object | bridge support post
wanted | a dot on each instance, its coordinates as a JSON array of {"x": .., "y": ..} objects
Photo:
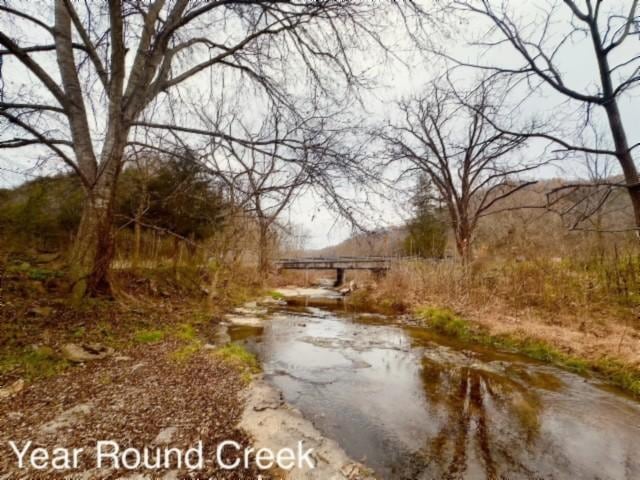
[
  {"x": 378, "y": 273},
  {"x": 339, "y": 277}
]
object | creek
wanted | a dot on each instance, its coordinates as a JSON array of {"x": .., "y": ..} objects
[{"x": 411, "y": 404}]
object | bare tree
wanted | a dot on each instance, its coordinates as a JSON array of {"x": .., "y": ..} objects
[
  {"x": 116, "y": 59},
  {"x": 263, "y": 182},
  {"x": 471, "y": 166},
  {"x": 266, "y": 167},
  {"x": 540, "y": 43}
]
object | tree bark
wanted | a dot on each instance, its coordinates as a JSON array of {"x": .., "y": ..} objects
[
  {"x": 263, "y": 252},
  {"x": 625, "y": 158},
  {"x": 615, "y": 123},
  {"x": 94, "y": 245},
  {"x": 463, "y": 233},
  {"x": 93, "y": 248}
]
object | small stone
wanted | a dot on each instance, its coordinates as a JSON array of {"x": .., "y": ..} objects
[
  {"x": 15, "y": 416},
  {"x": 12, "y": 389},
  {"x": 85, "y": 352},
  {"x": 137, "y": 366},
  {"x": 165, "y": 436},
  {"x": 361, "y": 364}
]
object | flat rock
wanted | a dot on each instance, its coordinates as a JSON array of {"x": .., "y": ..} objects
[
  {"x": 85, "y": 352},
  {"x": 250, "y": 308},
  {"x": 244, "y": 320},
  {"x": 67, "y": 419},
  {"x": 272, "y": 301},
  {"x": 11, "y": 390},
  {"x": 268, "y": 399},
  {"x": 279, "y": 425},
  {"x": 293, "y": 292}
]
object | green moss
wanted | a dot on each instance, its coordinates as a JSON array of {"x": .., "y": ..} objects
[
  {"x": 78, "y": 332},
  {"x": 539, "y": 350},
  {"x": 34, "y": 273},
  {"x": 149, "y": 336},
  {"x": 239, "y": 356},
  {"x": 42, "y": 274},
  {"x": 276, "y": 295},
  {"x": 618, "y": 374},
  {"x": 185, "y": 353},
  {"x": 186, "y": 332},
  {"x": 33, "y": 363}
]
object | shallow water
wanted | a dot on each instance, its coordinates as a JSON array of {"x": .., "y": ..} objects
[{"x": 412, "y": 405}]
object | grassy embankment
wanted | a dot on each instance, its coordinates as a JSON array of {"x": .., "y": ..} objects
[{"x": 579, "y": 315}]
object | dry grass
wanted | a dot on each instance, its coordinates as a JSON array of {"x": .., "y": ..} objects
[{"x": 586, "y": 307}]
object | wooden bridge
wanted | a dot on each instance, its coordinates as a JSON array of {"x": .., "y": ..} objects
[{"x": 339, "y": 264}]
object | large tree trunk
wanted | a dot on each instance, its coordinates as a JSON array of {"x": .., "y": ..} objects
[
  {"x": 625, "y": 158},
  {"x": 93, "y": 247},
  {"x": 615, "y": 124},
  {"x": 463, "y": 241}
]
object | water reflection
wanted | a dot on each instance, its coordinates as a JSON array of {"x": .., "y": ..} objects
[{"x": 468, "y": 398}]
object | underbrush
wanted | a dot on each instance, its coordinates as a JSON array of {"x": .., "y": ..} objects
[
  {"x": 149, "y": 306},
  {"x": 605, "y": 285}
]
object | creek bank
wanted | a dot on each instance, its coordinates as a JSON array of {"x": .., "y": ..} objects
[
  {"x": 606, "y": 369},
  {"x": 589, "y": 345},
  {"x": 274, "y": 424},
  {"x": 144, "y": 400}
]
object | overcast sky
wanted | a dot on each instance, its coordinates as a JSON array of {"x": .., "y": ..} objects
[{"x": 400, "y": 77}]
